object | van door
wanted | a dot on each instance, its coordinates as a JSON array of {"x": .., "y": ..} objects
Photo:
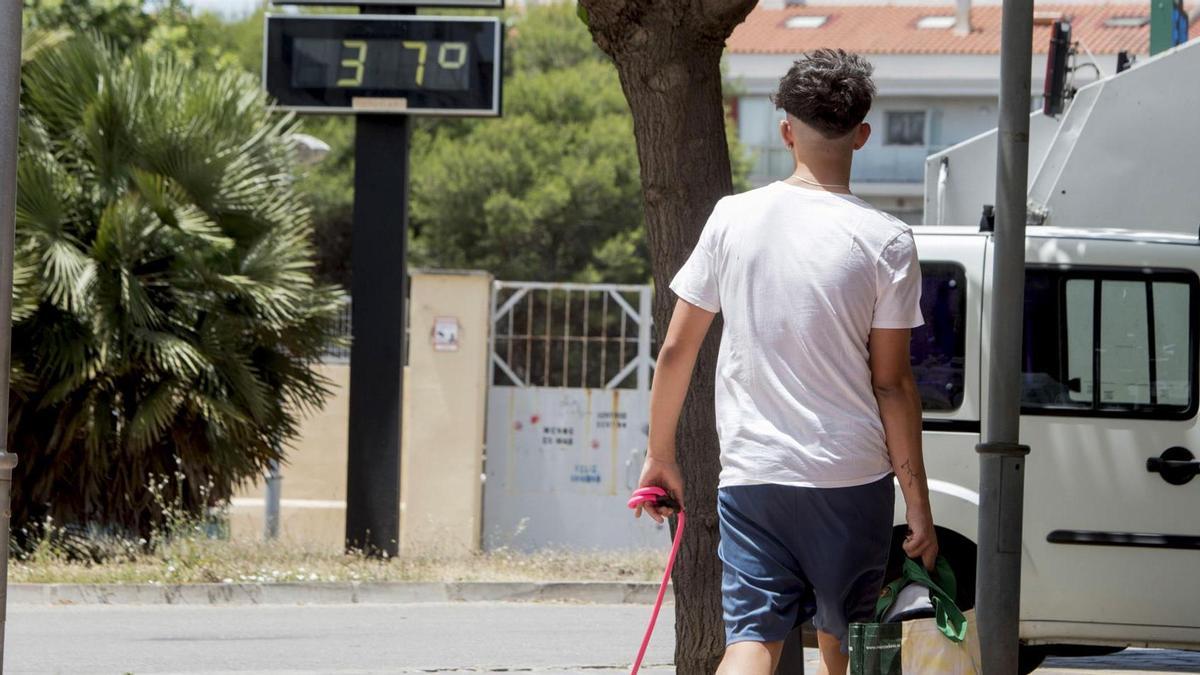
[
  {"x": 945, "y": 359},
  {"x": 1109, "y": 400}
]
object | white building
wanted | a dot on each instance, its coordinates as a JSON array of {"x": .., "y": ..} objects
[{"x": 937, "y": 71}]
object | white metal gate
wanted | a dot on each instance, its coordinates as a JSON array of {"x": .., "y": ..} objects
[{"x": 568, "y": 416}]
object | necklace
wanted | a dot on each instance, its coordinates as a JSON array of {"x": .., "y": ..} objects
[{"x": 813, "y": 182}]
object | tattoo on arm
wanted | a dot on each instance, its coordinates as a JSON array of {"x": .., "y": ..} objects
[{"x": 908, "y": 469}]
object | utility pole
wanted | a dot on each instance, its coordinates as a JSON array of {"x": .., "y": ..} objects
[
  {"x": 10, "y": 92},
  {"x": 1001, "y": 456}
]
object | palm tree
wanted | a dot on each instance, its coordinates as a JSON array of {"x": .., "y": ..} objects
[
  {"x": 165, "y": 318},
  {"x": 34, "y": 41}
]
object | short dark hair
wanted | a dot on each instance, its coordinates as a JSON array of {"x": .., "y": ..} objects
[{"x": 830, "y": 90}]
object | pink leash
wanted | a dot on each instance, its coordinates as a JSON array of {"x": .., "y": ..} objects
[{"x": 658, "y": 496}]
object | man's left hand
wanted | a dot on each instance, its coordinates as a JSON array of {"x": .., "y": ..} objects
[{"x": 921, "y": 541}]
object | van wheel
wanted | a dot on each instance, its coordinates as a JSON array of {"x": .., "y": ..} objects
[{"x": 1029, "y": 658}]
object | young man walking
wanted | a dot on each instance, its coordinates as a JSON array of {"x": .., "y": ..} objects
[{"x": 816, "y": 405}]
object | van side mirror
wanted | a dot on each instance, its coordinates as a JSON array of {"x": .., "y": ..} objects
[{"x": 1075, "y": 385}]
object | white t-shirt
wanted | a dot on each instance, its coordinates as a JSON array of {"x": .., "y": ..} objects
[{"x": 801, "y": 276}]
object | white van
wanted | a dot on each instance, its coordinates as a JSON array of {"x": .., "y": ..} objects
[{"x": 1111, "y": 548}]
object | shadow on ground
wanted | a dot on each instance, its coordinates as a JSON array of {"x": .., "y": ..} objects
[{"x": 1130, "y": 660}]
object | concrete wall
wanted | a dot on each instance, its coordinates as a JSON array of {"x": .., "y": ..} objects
[
  {"x": 441, "y": 487},
  {"x": 442, "y": 455},
  {"x": 313, "y": 507}
]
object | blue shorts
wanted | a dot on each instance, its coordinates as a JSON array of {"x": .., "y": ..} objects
[{"x": 791, "y": 553}]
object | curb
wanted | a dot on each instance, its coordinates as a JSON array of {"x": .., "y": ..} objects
[{"x": 333, "y": 593}]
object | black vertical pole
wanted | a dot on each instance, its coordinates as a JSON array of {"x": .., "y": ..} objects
[{"x": 378, "y": 295}]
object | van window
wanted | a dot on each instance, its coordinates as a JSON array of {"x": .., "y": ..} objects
[
  {"x": 938, "y": 351},
  {"x": 1172, "y": 339},
  {"x": 1109, "y": 343},
  {"x": 1079, "y": 337}
]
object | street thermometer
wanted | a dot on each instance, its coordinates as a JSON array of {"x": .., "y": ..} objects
[{"x": 382, "y": 66}]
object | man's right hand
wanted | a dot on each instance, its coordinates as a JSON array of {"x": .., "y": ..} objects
[{"x": 663, "y": 474}]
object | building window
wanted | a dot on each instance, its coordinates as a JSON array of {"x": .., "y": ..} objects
[
  {"x": 1110, "y": 342},
  {"x": 758, "y": 130},
  {"x": 938, "y": 350},
  {"x": 927, "y": 22},
  {"x": 1126, "y": 21},
  {"x": 805, "y": 21},
  {"x": 904, "y": 127}
]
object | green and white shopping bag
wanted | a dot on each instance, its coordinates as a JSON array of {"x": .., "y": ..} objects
[{"x": 946, "y": 644}]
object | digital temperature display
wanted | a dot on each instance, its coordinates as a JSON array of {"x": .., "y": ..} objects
[
  {"x": 381, "y": 64},
  {"x": 397, "y": 64}
]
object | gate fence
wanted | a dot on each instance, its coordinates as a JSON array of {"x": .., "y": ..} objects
[
  {"x": 591, "y": 336},
  {"x": 568, "y": 414}
]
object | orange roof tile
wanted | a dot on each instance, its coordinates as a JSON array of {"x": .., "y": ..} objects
[{"x": 892, "y": 29}]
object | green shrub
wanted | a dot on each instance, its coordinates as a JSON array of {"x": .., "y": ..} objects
[{"x": 166, "y": 318}]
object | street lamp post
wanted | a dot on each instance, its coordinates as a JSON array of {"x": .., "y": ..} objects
[
  {"x": 10, "y": 88},
  {"x": 1001, "y": 456}
]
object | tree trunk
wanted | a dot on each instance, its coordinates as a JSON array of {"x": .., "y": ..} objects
[{"x": 668, "y": 57}]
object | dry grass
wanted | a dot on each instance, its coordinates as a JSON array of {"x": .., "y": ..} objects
[
  {"x": 199, "y": 559},
  {"x": 185, "y": 548}
]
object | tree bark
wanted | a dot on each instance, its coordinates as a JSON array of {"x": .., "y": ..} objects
[{"x": 668, "y": 57}]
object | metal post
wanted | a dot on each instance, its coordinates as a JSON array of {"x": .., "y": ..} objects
[
  {"x": 10, "y": 91},
  {"x": 1002, "y": 458},
  {"x": 274, "y": 478},
  {"x": 645, "y": 325},
  {"x": 379, "y": 293},
  {"x": 377, "y": 351}
]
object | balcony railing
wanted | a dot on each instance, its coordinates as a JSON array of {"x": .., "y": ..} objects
[{"x": 875, "y": 164}]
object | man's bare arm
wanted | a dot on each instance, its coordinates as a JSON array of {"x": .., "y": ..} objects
[
  {"x": 900, "y": 411},
  {"x": 672, "y": 375}
]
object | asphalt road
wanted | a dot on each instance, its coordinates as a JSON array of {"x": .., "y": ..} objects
[
  {"x": 461, "y": 637},
  {"x": 327, "y": 638}
]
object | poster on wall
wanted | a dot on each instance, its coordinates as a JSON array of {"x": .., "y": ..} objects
[{"x": 445, "y": 334}]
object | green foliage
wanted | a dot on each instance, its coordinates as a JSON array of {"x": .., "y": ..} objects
[
  {"x": 203, "y": 40},
  {"x": 245, "y": 40},
  {"x": 165, "y": 313},
  {"x": 123, "y": 23},
  {"x": 162, "y": 28},
  {"x": 329, "y": 188},
  {"x": 550, "y": 191},
  {"x": 550, "y": 37}
]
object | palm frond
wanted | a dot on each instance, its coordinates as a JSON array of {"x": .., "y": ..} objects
[
  {"x": 67, "y": 272},
  {"x": 156, "y": 411},
  {"x": 34, "y": 41},
  {"x": 58, "y": 84}
]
